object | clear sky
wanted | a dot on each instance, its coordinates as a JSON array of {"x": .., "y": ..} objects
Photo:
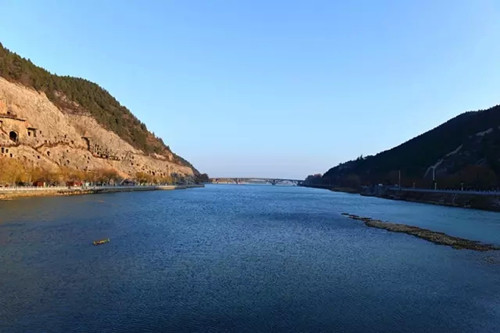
[{"x": 272, "y": 88}]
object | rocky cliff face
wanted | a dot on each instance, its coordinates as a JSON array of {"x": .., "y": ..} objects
[{"x": 40, "y": 134}]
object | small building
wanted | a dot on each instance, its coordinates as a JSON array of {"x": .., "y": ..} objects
[{"x": 73, "y": 183}]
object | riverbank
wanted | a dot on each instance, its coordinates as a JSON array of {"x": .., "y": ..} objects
[
  {"x": 10, "y": 193},
  {"x": 332, "y": 188},
  {"x": 464, "y": 199},
  {"x": 435, "y": 237}
]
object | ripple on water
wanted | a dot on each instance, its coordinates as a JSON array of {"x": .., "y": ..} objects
[{"x": 240, "y": 258}]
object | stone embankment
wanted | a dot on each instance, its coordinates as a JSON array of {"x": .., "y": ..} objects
[
  {"x": 9, "y": 193},
  {"x": 332, "y": 188},
  {"x": 429, "y": 235}
]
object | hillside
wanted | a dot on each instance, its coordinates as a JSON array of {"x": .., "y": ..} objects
[
  {"x": 463, "y": 151},
  {"x": 52, "y": 122}
]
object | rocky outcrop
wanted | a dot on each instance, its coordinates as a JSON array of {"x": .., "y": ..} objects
[
  {"x": 40, "y": 134},
  {"x": 435, "y": 237}
]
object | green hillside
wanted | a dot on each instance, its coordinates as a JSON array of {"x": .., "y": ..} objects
[{"x": 465, "y": 150}]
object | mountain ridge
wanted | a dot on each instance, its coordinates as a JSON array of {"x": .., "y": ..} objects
[{"x": 464, "y": 150}]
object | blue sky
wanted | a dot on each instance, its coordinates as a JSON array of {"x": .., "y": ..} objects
[{"x": 272, "y": 88}]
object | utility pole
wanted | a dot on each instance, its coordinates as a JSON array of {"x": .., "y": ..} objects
[
  {"x": 434, "y": 177},
  {"x": 399, "y": 180}
]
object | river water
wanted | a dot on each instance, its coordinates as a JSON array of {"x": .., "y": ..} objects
[{"x": 242, "y": 258}]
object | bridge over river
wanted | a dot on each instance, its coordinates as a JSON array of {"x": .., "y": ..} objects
[{"x": 256, "y": 180}]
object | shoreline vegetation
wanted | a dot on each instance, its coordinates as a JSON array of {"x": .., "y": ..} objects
[
  {"x": 435, "y": 237},
  {"x": 15, "y": 172},
  {"x": 10, "y": 193}
]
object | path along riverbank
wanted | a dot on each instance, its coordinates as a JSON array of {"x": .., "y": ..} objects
[{"x": 9, "y": 193}]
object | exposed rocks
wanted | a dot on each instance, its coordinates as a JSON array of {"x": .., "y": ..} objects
[
  {"x": 431, "y": 236},
  {"x": 37, "y": 132}
]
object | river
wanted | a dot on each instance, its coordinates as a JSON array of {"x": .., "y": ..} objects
[{"x": 242, "y": 258}]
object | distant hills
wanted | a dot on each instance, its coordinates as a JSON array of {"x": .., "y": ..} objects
[{"x": 464, "y": 151}]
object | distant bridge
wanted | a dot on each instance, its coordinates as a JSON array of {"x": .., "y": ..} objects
[{"x": 256, "y": 180}]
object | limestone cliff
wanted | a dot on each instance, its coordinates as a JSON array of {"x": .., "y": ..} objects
[{"x": 52, "y": 133}]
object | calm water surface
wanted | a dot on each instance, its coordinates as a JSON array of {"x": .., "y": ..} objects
[{"x": 242, "y": 258}]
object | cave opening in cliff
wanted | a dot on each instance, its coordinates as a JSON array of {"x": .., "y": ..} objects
[
  {"x": 32, "y": 132},
  {"x": 87, "y": 142},
  {"x": 13, "y": 136}
]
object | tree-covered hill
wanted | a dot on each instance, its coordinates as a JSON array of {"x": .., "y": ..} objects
[
  {"x": 463, "y": 151},
  {"x": 91, "y": 98}
]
